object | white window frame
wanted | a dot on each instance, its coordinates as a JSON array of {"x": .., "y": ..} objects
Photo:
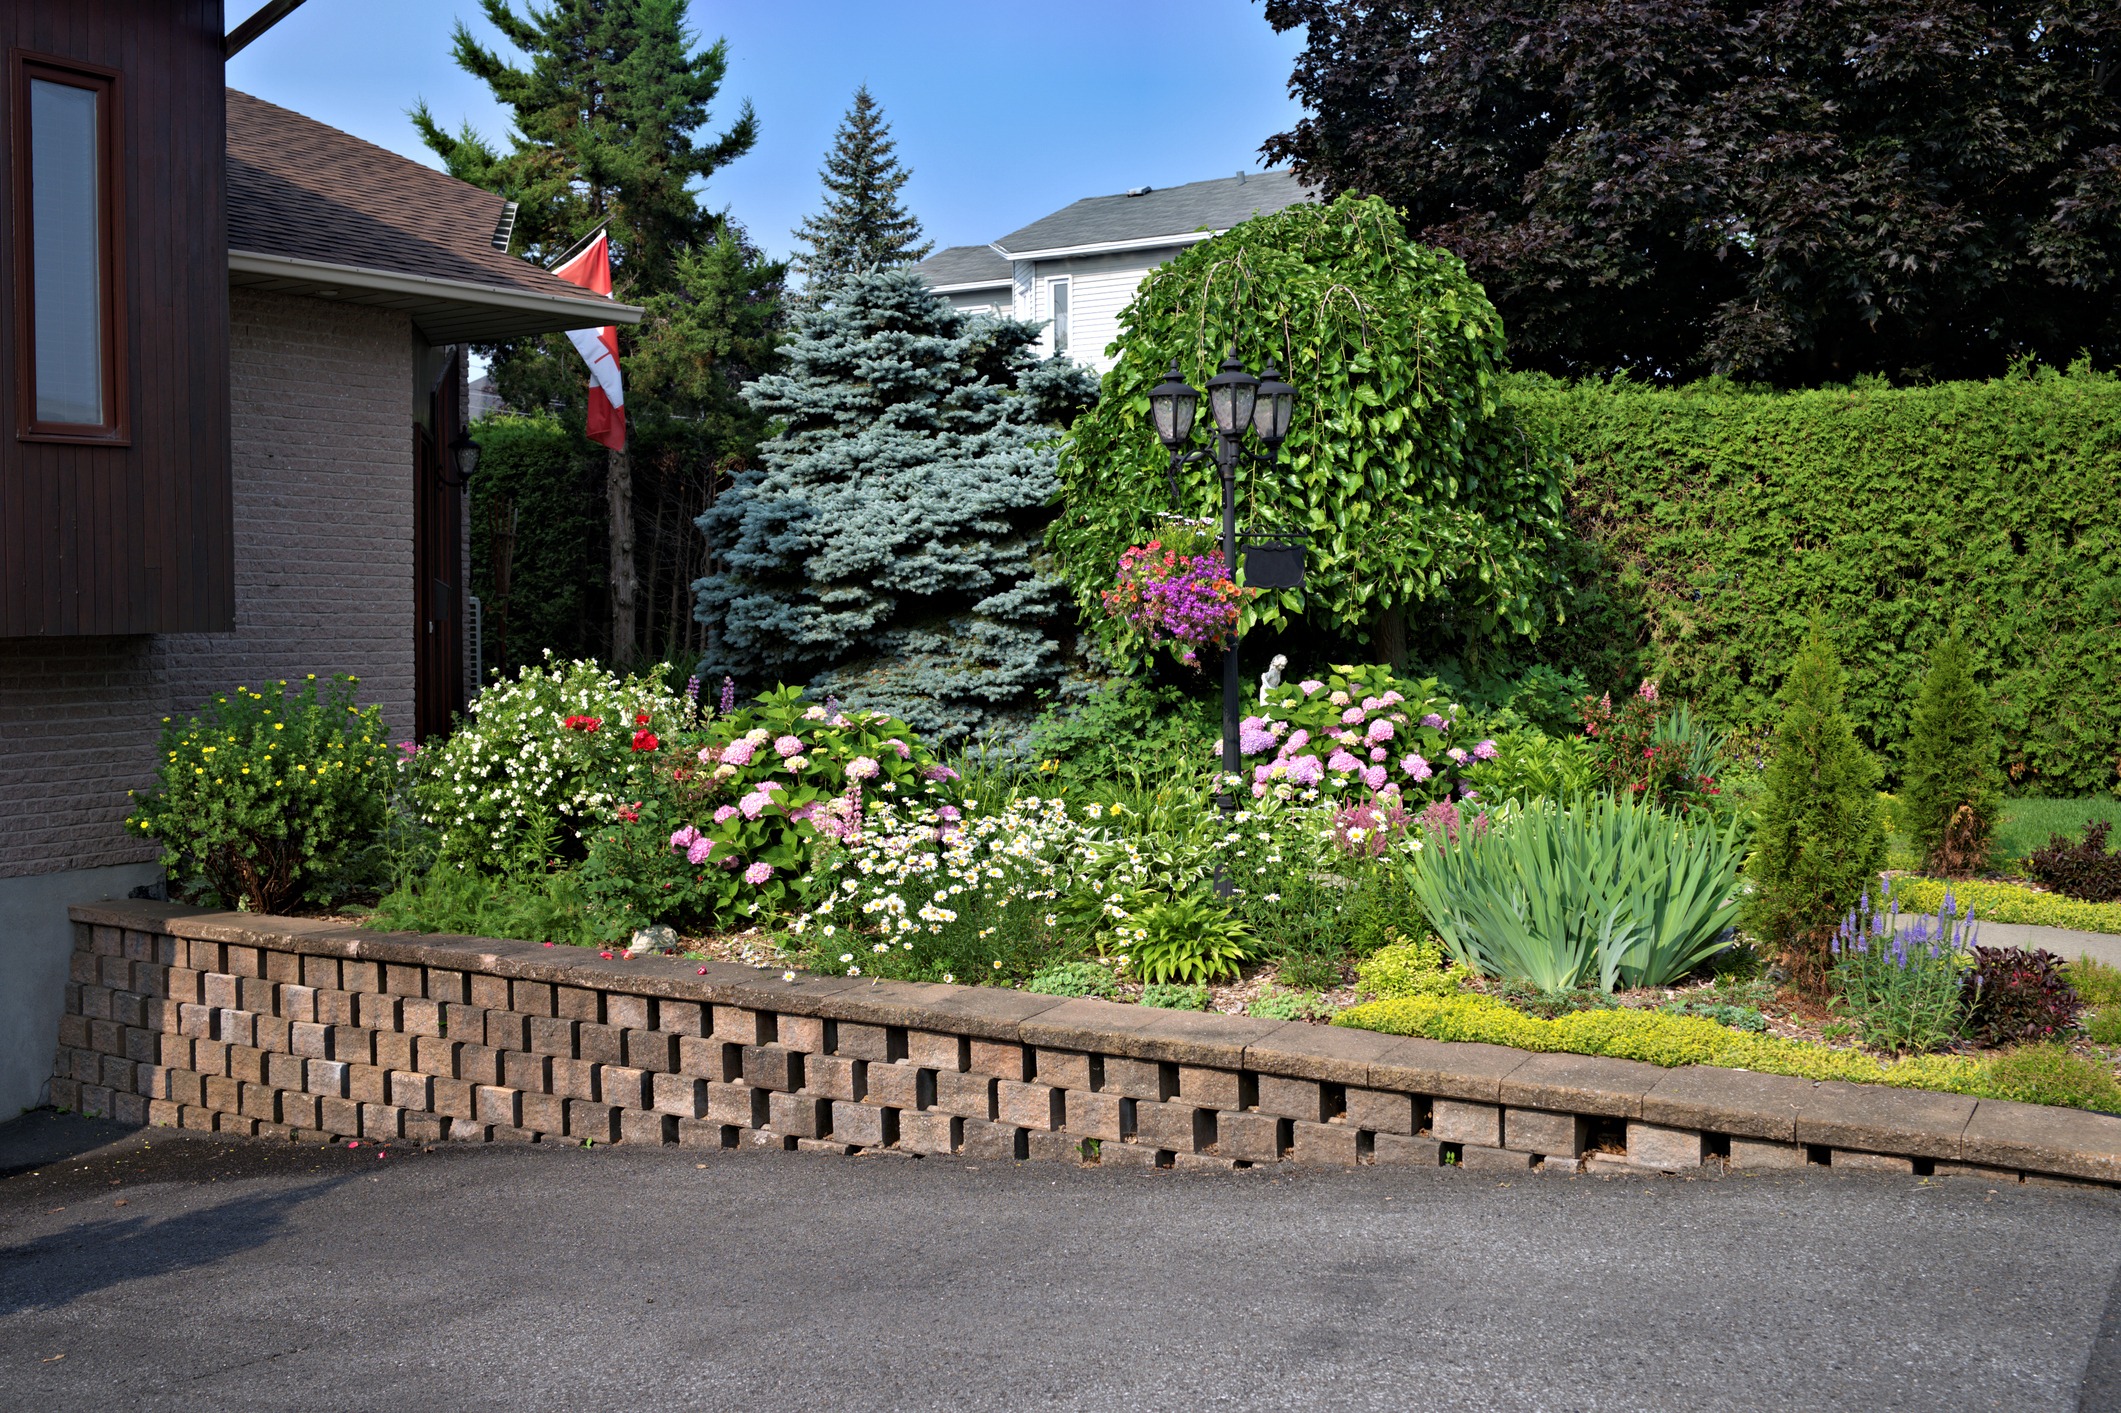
[{"x": 1060, "y": 335}]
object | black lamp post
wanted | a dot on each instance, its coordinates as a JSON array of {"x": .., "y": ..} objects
[{"x": 1237, "y": 403}]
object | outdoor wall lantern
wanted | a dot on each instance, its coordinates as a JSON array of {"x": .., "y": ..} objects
[
  {"x": 465, "y": 453},
  {"x": 1238, "y": 403}
]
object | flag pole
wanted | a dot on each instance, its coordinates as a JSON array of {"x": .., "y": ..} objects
[{"x": 578, "y": 247}]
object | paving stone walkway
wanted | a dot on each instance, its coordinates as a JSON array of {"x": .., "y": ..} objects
[{"x": 171, "y": 1271}]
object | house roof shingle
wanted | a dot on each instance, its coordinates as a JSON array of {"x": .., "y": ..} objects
[
  {"x": 1174, "y": 211},
  {"x": 965, "y": 267},
  {"x": 300, "y": 190}
]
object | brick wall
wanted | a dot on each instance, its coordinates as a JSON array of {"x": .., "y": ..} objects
[
  {"x": 322, "y": 465},
  {"x": 312, "y": 1030}
]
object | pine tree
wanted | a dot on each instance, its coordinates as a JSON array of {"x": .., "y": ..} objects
[
  {"x": 1950, "y": 783},
  {"x": 863, "y": 226},
  {"x": 605, "y": 121},
  {"x": 1820, "y": 840},
  {"x": 887, "y": 549}
]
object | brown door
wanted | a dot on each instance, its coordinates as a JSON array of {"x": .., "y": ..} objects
[{"x": 438, "y": 564}]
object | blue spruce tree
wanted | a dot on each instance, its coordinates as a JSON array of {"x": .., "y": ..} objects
[{"x": 887, "y": 548}]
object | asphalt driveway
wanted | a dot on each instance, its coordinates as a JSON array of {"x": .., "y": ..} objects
[{"x": 177, "y": 1272}]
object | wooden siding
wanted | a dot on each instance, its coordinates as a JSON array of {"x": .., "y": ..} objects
[{"x": 124, "y": 539}]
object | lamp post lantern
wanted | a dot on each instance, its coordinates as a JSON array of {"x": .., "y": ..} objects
[{"x": 1238, "y": 404}]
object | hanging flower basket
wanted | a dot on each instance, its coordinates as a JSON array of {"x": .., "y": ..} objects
[{"x": 1175, "y": 592}]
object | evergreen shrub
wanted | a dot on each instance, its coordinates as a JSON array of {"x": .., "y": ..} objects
[
  {"x": 1950, "y": 781},
  {"x": 1818, "y": 839},
  {"x": 1720, "y": 519},
  {"x": 886, "y": 546}
]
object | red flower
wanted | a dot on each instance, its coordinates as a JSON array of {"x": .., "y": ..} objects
[
  {"x": 645, "y": 741},
  {"x": 640, "y": 718},
  {"x": 630, "y": 813},
  {"x": 583, "y": 723}
]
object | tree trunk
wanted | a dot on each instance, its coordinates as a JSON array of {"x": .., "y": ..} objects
[
  {"x": 625, "y": 583},
  {"x": 1388, "y": 636}
]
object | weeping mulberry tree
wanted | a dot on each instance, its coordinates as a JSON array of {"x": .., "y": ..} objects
[
  {"x": 1432, "y": 524},
  {"x": 886, "y": 550}
]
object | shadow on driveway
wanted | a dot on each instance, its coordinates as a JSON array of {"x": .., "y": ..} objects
[{"x": 55, "y": 1270}]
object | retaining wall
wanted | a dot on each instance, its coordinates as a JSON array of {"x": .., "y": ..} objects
[{"x": 310, "y": 1030}]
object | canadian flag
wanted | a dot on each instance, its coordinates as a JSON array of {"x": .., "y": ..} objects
[{"x": 599, "y": 347}]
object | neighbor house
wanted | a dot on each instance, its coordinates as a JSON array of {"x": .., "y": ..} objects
[
  {"x": 234, "y": 345},
  {"x": 1075, "y": 270}
]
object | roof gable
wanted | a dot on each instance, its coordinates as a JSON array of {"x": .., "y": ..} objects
[{"x": 965, "y": 267}]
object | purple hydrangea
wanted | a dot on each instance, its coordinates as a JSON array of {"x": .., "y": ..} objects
[
  {"x": 1298, "y": 739},
  {"x": 939, "y": 772},
  {"x": 1433, "y": 722},
  {"x": 1457, "y": 755},
  {"x": 1377, "y": 753},
  {"x": 1254, "y": 737},
  {"x": 1305, "y": 770},
  {"x": 699, "y": 850},
  {"x": 1484, "y": 751}
]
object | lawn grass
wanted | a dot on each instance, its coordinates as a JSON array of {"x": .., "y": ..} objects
[{"x": 2029, "y": 822}]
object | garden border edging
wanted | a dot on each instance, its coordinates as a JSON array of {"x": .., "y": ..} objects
[{"x": 312, "y": 1028}]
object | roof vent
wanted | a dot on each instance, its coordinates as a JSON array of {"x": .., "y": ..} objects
[
  {"x": 505, "y": 228},
  {"x": 1240, "y": 178},
  {"x": 1140, "y": 190}
]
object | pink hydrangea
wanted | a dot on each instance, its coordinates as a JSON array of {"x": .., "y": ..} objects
[
  {"x": 758, "y": 872},
  {"x": 1308, "y": 687},
  {"x": 939, "y": 772},
  {"x": 862, "y": 768},
  {"x": 1433, "y": 722},
  {"x": 1377, "y": 753},
  {"x": 1380, "y": 730},
  {"x": 725, "y": 814},
  {"x": 1391, "y": 698},
  {"x": 905, "y": 752},
  {"x": 684, "y": 839},
  {"x": 787, "y": 746},
  {"x": 1352, "y": 715},
  {"x": 1374, "y": 777},
  {"x": 1298, "y": 739},
  {"x": 737, "y": 752},
  {"x": 1305, "y": 770},
  {"x": 1254, "y": 737},
  {"x": 1415, "y": 767},
  {"x": 1340, "y": 763},
  {"x": 1457, "y": 755},
  {"x": 753, "y": 803},
  {"x": 1484, "y": 751},
  {"x": 699, "y": 850}
]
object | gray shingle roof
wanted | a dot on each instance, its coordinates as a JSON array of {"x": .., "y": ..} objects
[
  {"x": 975, "y": 265},
  {"x": 1174, "y": 211}
]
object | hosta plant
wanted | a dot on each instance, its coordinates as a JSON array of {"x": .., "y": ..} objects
[
  {"x": 1185, "y": 937},
  {"x": 1605, "y": 893}
]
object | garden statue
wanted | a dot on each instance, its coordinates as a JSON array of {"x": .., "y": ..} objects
[{"x": 1271, "y": 678}]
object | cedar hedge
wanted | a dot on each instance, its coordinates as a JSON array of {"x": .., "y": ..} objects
[{"x": 1720, "y": 520}]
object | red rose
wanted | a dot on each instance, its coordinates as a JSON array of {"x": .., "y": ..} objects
[
  {"x": 640, "y": 718},
  {"x": 583, "y": 723},
  {"x": 630, "y": 813},
  {"x": 645, "y": 741}
]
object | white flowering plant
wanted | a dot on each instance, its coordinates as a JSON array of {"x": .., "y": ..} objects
[
  {"x": 719, "y": 819},
  {"x": 946, "y": 894},
  {"x": 550, "y": 752}
]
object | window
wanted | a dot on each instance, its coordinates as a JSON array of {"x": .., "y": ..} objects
[
  {"x": 1057, "y": 299},
  {"x": 67, "y": 294}
]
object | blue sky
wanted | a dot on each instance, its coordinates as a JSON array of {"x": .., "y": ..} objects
[{"x": 1004, "y": 111}]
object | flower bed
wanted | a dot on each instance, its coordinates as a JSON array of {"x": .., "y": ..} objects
[{"x": 1997, "y": 900}]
